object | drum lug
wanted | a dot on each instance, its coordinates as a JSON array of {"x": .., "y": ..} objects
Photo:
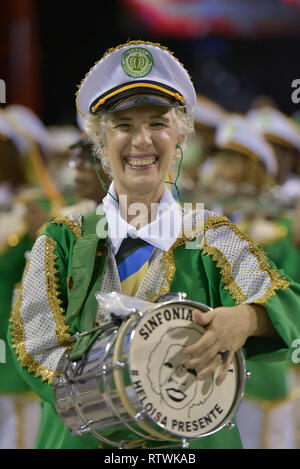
[
  {"x": 120, "y": 364},
  {"x": 123, "y": 444},
  {"x": 248, "y": 374},
  {"x": 138, "y": 313},
  {"x": 184, "y": 443},
  {"x": 82, "y": 429},
  {"x": 140, "y": 415},
  {"x": 230, "y": 425},
  {"x": 171, "y": 296}
]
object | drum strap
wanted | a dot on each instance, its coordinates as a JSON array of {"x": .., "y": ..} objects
[{"x": 87, "y": 273}]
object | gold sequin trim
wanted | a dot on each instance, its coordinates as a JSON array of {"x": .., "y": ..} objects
[
  {"x": 52, "y": 293},
  {"x": 277, "y": 282},
  {"x": 109, "y": 51},
  {"x": 18, "y": 342},
  {"x": 74, "y": 225},
  {"x": 55, "y": 303}
]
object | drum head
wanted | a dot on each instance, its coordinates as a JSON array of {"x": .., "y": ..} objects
[{"x": 170, "y": 394}]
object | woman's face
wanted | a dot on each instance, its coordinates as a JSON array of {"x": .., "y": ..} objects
[
  {"x": 230, "y": 167},
  {"x": 140, "y": 143},
  {"x": 86, "y": 183},
  {"x": 287, "y": 160}
]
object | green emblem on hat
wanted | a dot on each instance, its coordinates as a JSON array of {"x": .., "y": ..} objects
[
  {"x": 229, "y": 130},
  {"x": 137, "y": 62}
]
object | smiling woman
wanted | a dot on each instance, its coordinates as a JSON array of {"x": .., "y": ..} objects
[
  {"x": 159, "y": 117},
  {"x": 137, "y": 103}
]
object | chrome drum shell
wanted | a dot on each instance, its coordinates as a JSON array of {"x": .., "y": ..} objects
[{"x": 97, "y": 392}]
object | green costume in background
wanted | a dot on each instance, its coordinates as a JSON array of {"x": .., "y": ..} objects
[
  {"x": 12, "y": 264},
  {"x": 57, "y": 299},
  {"x": 283, "y": 252},
  {"x": 19, "y": 406},
  {"x": 270, "y": 385}
]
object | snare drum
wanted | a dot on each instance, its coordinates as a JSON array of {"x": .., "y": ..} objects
[{"x": 133, "y": 378}]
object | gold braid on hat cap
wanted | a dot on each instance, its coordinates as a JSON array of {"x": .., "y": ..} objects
[{"x": 109, "y": 51}]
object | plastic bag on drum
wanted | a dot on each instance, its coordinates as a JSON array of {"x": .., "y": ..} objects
[{"x": 120, "y": 305}]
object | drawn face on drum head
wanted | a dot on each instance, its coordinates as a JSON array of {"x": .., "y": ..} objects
[
  {"x": 177, "y": 385},
  {"x": 170, "y": 395}
]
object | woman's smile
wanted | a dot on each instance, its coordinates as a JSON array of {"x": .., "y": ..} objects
[{"x": 141, "y": 161}]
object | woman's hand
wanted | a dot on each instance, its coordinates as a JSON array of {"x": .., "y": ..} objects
[{"x": 226, "y": 329}]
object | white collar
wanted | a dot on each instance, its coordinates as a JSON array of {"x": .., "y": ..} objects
[{"x": 161, "y": 233}]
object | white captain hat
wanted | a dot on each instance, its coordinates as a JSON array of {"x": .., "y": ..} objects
[
  {"x": 207, "y": 113},
  {"x": 133, "y": 74},
  {"x": 275, "y": 126},
  {"x": 235, "y": 133},
  {"x": 27, "y": 123},
  {"x": 61, "y": 137},
  {"x": 7, "y": 131}
]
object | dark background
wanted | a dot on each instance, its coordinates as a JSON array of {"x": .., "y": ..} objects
[{"x": 71, "y": 37}]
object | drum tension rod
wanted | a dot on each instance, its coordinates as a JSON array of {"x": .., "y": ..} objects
[{"x": 103, "y": 327}]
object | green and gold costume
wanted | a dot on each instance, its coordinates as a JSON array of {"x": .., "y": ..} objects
[
  {"x": 20, "y": 409},
  {"x": 69, "y": 263},
  {"x": 270, "y": 387}
]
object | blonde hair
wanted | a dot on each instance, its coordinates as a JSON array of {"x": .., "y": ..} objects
[{"x": 95, "y": 125}]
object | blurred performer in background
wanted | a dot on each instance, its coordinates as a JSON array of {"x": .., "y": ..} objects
[
  {"x": 284, "y": 136},
  {"x": 241, "y": 169},
  {"x": 27, "y": 124},
  {"x": 246, "y": 165},
  {"x": 19, "y": 406},
  {"x": 57, "y": 154},
  {"x": 49, "y": 153},
  {"x": 86, "y": 183},
  {"x": 87, "y": 191},
  {"x": 31, "y": 157},
  {"x": 207, "y": 116}
]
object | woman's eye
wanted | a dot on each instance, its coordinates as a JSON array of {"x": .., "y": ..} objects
[
  {"x": 168, "y": 365},
  {"x": 157, "y": 124},
  {"x": 122, "y": 126}
]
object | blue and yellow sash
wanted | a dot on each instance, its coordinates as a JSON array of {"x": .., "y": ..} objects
[{"x": 133, "y": 261}]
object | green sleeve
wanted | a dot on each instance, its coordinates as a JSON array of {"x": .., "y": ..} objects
[
  {"x": 247, "y": 276},
  {"x": 38, "y": 335},
  {"x": 286, "y": 255},
  {"x": 42, "y": 388},
  {"x": 283, "y": 308}
]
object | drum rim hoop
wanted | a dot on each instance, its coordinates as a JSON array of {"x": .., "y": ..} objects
[{"x": 241, "y": 372}]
